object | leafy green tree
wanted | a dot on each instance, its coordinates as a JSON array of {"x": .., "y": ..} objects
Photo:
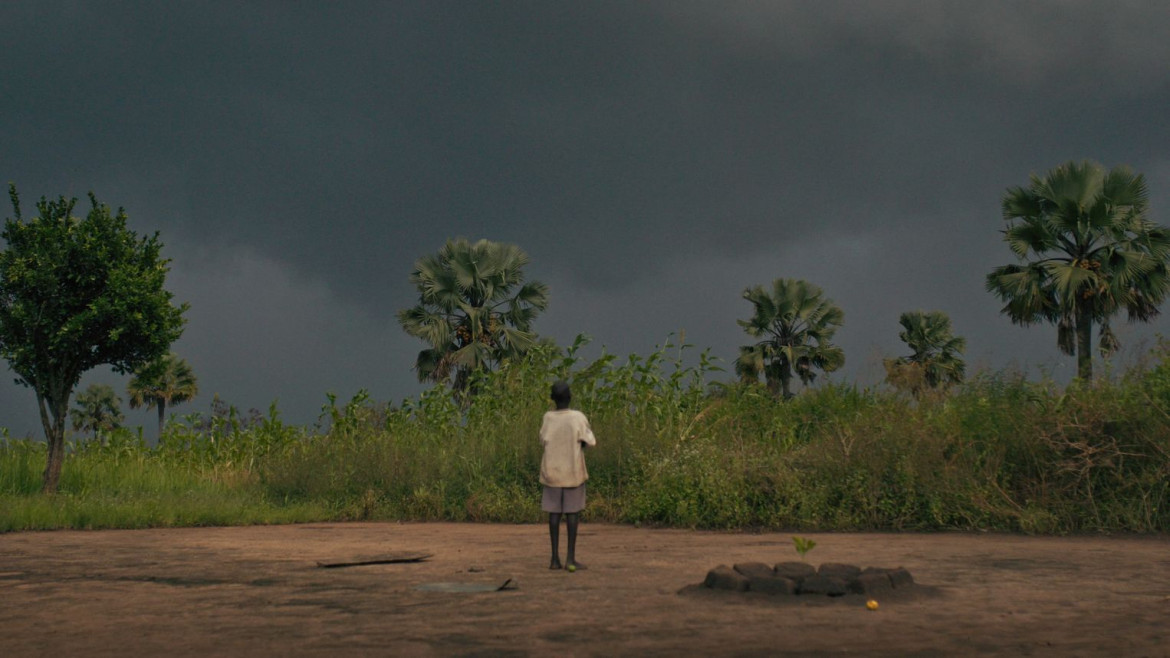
[
  {"x": 162, "y": 383},
  {"x": 935, "y": 362},
  {"x": 98, "y": 410},
  {"x": 475, "y": 309},
  {"x": 76, "y": 294},
  {"x": 1087, "y": 251},
  {"x": 795, "y": 324}
]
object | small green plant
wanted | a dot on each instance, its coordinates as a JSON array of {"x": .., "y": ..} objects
[{"x": 803, "y": 545}]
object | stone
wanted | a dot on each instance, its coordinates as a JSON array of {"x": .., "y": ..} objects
[
  {"x": 827, "y": 585},
  {"x": 900, "y": 578},
  {"x": 788, "y": 578},
  {"x": 797, "y": 571},
  {"x": 870, "y": 583},
  {"x": 754, "y": 570},
  {"x": 775, "y": 585},
  {"x": 761, "y": 578},
  {"x": 724, "y": 577},
  {"x": 838, "y": 570}
]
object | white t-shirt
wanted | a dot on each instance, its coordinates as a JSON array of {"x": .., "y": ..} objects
[{"x": 562, "y": 433}]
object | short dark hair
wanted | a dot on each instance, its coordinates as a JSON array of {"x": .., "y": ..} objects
[{"x": 561, "y": 392}]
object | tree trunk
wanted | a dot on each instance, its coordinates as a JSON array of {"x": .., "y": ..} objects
[
  {"x": 55, "y": 437},
  {"x": 1084, "y": 345},
  {"x": 53, "y": 468},
  {"x": 786, "y": 384},
  {"x": 162, "y": 413}
]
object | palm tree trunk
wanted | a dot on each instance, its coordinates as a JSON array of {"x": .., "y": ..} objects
[
  {"x": 786, "y": 384},
  {"x": 162, "y": 413},
  {"x": 1084, "y": 345}
]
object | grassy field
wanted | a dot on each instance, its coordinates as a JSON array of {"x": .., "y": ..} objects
[{"x": 999, "y": 452}]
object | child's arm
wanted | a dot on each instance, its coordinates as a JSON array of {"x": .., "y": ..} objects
[{"x": 587, "y": 439}]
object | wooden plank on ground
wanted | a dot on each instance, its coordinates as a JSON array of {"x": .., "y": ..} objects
[{"x": 382, "y": 559}]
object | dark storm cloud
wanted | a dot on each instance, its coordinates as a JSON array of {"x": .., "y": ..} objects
[{"x": 654, "y": 158}]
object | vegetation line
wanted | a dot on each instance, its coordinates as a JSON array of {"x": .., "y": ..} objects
[
  {"x": 997, "y": 452},
  {"x": 934, "y": 451}
]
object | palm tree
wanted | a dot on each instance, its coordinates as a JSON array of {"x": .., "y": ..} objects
[
  {"x": 1087, "y": 251},
  {"x": 475, "y": 309},
  {"x": 98, "y": 410},
  {"x": 795, "y": 323},
  {"x": 162, "y": 383},
  {"x": 935, "y": 362}
]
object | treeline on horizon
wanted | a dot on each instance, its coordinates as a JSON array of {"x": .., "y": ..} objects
[
  {"x": 999, "y": 452},
  {"x": 935, "y": 449}
]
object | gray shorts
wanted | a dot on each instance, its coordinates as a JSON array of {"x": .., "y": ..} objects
[{"x": 561, "y": 500}]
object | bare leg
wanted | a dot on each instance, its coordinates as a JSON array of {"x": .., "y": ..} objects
[
  {"x": 571, "y": 521},
  {"x": 554, "y": 535}
]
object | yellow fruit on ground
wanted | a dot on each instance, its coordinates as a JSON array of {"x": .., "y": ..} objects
[{"x": 871, "y": 604}]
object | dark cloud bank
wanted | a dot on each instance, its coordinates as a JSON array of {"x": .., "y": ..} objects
[{"x": 654, "y": 159}]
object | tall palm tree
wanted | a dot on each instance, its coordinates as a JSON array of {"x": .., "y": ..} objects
[
  {"x": 935, "y": 361},
  {"x": 475, "y": 309},
  {"x": 98, "y": 410},
  {"x": 1087, "y": 251},
  {"x": 795, "y": 324},
  {"x": 162, "y": 383}
]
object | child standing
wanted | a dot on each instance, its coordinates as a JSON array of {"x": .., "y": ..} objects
[{"x": 564, "y": 434}]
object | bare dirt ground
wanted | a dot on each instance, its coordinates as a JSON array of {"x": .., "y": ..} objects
[{"x": 258, "y": 591}]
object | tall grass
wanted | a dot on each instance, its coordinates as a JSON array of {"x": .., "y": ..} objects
[
  {"x": 1000, "y": 452},
  {"x": 125, "y": 484}
]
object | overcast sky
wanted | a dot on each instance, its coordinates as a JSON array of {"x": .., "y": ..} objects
[{"x": 653, "y": 158}]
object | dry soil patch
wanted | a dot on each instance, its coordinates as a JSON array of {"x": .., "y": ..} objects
[{"x": 258, "y": 591}]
